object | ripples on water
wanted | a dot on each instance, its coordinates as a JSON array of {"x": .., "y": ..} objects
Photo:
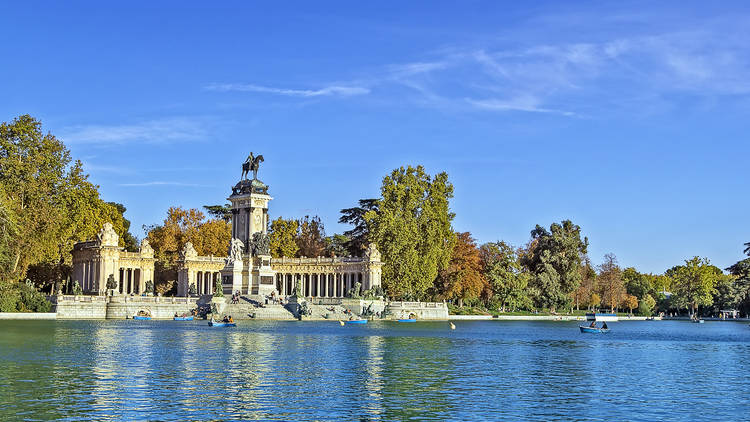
[{"x": 165, "y": 370}]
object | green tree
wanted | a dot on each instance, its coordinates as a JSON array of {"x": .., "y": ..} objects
[
  {"x": 727, "y": 294},
  {"x": 412, "y": 229},
  {"x": 462, "y": 279},
  {"x": 741, "y": 271},
  {"x": 694, "y": 283},
  {"x": 128, "y": 241},
  {"x": 554, "y": 260},
  {"x": 310, "y": 237},
  {"x": 359, "y": 235},
  {"x": 507, "y": 278},
  {"x": 336, "y": 245},
  {"x": 220, "y": 212},
  {"x": 582, "y": 294},
  {"x": 637, "y": 284},
  {"x": 50, "y": 199},
  {"x": 646, "y": 305},
  {"x": 283, "y": 235}
]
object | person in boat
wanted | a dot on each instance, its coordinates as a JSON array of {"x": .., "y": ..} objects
[
  {"x": 175, "y": 314},
  {"x": 604, "y": 326},
  {"x": 230, "y": 320},
  {"x": 593, "y": 324},
  {"x": 225, "y": 319}
]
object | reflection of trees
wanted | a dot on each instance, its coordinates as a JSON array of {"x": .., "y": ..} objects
[{"x": 416, "y": 374}]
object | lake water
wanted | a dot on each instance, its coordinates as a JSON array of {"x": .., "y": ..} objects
[{"x": 484, "y": 370}]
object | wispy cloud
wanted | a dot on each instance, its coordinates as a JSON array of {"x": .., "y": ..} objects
[
  {"x": 154, "y": 131},
  {"x": 162, "y": 183},
  {"x": 526, "y": 103},
  {"x": 332, "y": 90}
]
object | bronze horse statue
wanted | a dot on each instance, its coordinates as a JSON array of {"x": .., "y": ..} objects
[{"x": 251, "y": 164}]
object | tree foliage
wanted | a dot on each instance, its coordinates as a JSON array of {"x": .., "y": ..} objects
[
  {"x": 336, "y": 245},
  {"x": 48, "y": 203},
  {"x": 412, "y": 229},
  {"x": 554, "y": 260},
  {"x": 508, "y": 281},
  {"x": 463, "y": 277},
  {"x": 310, "y": 237},
  {"x": 359, "y": 235},
  {"x": 283, "y": 237},
  {"x": 220, "y": 212},
  {"x": 694, "y": 283},
  {"x": 610, "y": 284}
]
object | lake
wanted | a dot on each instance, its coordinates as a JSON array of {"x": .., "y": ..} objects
[{"x": 483, "y": 370}]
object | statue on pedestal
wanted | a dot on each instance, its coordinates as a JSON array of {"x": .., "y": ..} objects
[{"x": 251, "y": 164}]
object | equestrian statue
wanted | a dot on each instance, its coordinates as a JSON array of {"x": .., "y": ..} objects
[{"x": 251, "y": 164}]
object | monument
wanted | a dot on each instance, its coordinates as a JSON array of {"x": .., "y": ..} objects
[{"x": 248, "y": 264}]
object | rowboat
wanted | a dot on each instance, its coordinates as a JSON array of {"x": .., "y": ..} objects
[
  {"x": 221, "y": 324},
  {"x": 356, "y": 321},
  {"x": 593, "y": 330},
  {"x": 183, "y": 318},
  {"x": 141, "y": 317},
  {"x": 407, "y": 320},
  {"x": 699, "y": 321}
]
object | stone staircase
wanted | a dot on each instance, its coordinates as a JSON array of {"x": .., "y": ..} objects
[
  {"x": 250, "y": 309},
  {"x": 332, "y": 312}
]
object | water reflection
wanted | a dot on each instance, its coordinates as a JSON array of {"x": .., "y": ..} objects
[{"x": 165, "y": 370}]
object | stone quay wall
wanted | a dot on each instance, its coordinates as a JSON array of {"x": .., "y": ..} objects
[
  {"x": 422, "y": 310},
  {"x": 28, "y": 315},
  {"x": 122, "y": 307}
]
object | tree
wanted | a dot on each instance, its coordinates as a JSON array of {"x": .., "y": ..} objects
[
  {"x": 462, "y": 279},
  {"x": 359, "y": 235},
  {"x": 181, "y": 226},
  {"x": 646, "y": 305},
  {"x": 50, "y": 199},
  {"x": 637, "y": 284},
  {"x": 554, "y": 259},
  {"x": 610, "y": 284},
  {"x": 412, "y": 229},
  {"x": 595, "y": 301},
  {"x": 741, "y": 271},
  {"x": 694, "y": 283},
  {"x": 128, "y": 241},
  {"x": 310, "y": 237},
  {"x": 283, "y": 234},
  {"x": 506, "y": 276},
  {"x": 582, "y": 295},
  {"x": 630, "y": 302},
  {"x": 727, "y": 293},
  {"x": 336, "y": 245},
  {"x": 220, "y": 212}
]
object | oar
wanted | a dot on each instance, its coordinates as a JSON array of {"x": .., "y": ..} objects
[
  {"x": 341, "y": 322},
  {"x": 453, "y": 326}
]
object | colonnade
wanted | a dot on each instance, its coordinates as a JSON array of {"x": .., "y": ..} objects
[
  {"x": 129, "y": 281},
  {"x": 318, "y": 284},
  {"x": 89, "y": 275},
  {"x": 205, "y": 281}
]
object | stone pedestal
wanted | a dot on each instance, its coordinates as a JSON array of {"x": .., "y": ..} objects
[
  {"x": 263, "y": 276},
  {"x": 231, "y": 276}
]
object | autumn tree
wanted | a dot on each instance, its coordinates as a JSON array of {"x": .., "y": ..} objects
[
  {"x": 630, "y": 302},
  {"x": 587, "y": 287},
  {"x": 310, "y": 237},
  {"x": 610, "y": 285},
  {"x": 462, "y": 279},
  {"x": 210, "y": 237},
  {"x": 283, "y": 235},
  {"x": 507, "y": 279},
  {"x": 412, "y": 229},
  {"x": 553, "y": 258},
  {"x": 359, "y": 235}
]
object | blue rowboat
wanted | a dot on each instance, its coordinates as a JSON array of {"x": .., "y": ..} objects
[
  {"x": 596, "y": 330},
  {"x": 183, "y": 318},
  {"x": 141, "y": 317},
  {"x": 221, "y": 324},
  {"x": 407, "y": 320},
  {"x": 357, "y": 321}
]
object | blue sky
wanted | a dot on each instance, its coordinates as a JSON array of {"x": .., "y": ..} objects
[{"x": 629, "y": 118}]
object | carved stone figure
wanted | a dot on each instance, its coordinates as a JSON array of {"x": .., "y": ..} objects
[
  {"x": 372, "y": 252},
  {"x": 188, "y": 252},
  {"x": 260, "y": 244},
  {"x": 146, "y": 248},
  {"x": 251, "y": 164},
  {"x": 235, "y": 250},
  {"x": 107, "y": 235}
]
